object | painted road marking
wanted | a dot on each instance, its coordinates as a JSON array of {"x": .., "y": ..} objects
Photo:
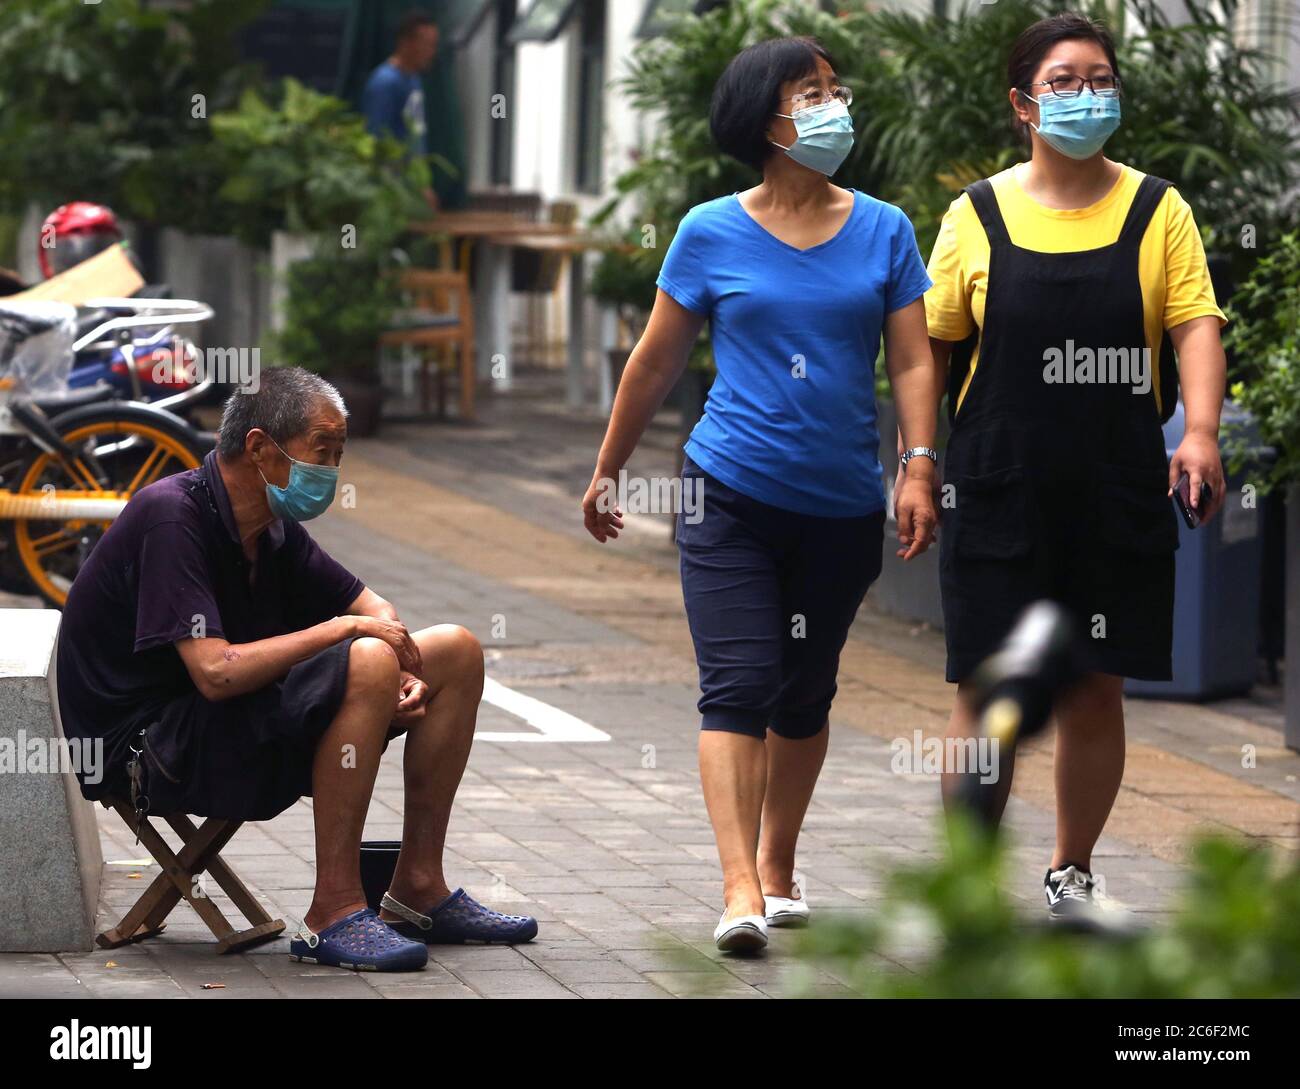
[{"x": 549, "y": 723}]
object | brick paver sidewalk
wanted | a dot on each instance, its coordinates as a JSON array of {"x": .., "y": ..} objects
[{"x": 607, "y": 841}]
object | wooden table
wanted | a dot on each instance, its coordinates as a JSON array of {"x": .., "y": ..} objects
[
  {"x": 495, "y": 234},
  {"x": 574, "y": 247}
]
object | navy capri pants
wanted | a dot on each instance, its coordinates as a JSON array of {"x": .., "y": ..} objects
[{"x": 770, "y": 595}]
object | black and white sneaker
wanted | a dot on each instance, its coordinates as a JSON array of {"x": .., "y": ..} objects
[{"x": 1072, "y": 894}]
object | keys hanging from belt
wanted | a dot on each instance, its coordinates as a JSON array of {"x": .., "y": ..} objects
[{"x": 135, "y": 775}]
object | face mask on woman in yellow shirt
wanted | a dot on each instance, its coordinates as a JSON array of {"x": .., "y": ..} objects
[{"x": 1077, "y": 126}]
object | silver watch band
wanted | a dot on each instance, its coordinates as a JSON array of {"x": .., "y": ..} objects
[{"x": 923, "y": 451}]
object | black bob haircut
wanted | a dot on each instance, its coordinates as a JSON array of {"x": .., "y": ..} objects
[
  {"x": 748, "y": 91},
  {"x": 1036, "y": 41}
]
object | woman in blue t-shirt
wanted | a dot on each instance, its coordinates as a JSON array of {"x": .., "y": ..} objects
[{"x": 798, "y": 278}]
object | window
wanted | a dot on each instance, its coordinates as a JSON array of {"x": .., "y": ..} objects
[
  {"x": 459, "y": 19},
  {"x": 1265, "y": 25},
  {"x": 543, "y": 21},
  {"x": 659, "y": 14},
  {"x": 591, "y": 96}
]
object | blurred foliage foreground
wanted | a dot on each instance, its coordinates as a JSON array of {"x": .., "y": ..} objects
[{"x": 1234, "y": 934}]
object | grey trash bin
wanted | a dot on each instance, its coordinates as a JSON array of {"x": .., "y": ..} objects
[{"x": 1216, "y": 597}]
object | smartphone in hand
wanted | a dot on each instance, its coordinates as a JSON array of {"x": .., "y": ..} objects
[{"x": 1183, "y": 497}]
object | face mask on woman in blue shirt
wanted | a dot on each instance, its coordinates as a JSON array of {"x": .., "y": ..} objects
[{"x": 824, "y": 137}]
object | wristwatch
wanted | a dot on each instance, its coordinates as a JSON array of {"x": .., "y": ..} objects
[{"x": 923, "y": 451}]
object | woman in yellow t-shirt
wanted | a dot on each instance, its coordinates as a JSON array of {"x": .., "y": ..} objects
[{"x": 1066, "y": 272}]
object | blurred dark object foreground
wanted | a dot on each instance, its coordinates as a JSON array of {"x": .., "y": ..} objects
[{"x": 1014, "y": 690}]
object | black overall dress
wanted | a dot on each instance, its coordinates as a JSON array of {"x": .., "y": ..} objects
[{"x": 1058, "y": 489}]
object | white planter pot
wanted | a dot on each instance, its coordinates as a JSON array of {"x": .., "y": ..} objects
[
  {"x": 227, "y": 275},
  {"x": 286, "y": 248}
]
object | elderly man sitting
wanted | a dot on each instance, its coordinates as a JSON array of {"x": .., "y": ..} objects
[{"x": 209, "y": 634}]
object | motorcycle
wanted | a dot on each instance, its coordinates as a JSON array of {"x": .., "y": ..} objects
[{"x": 131, "y": 349}]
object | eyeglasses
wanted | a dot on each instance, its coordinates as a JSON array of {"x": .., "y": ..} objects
[
  {"x": 1072, "y": 86},
  {"x": 807, "y": 100}
]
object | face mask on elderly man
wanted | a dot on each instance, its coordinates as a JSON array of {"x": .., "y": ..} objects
[{"x": 309, "y": 492}]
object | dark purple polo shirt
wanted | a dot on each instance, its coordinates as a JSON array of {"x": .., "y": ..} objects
[{"x": 169, "y": 568}]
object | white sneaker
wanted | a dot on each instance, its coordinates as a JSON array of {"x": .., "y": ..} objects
[
  {"x": 1073, "y": 895},
  {"x": 787, "y": 910},
  {"x": 741, "y": 934},
  {"x": 1078, "y": 899}
]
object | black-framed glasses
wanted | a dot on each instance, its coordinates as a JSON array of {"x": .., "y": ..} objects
[{"x": 1072, "y": 86}]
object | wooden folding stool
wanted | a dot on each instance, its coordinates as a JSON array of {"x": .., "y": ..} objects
[{"x": 200, "y": 852}]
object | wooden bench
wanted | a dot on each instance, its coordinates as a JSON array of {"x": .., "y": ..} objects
[{"x": 200, "y": 853}]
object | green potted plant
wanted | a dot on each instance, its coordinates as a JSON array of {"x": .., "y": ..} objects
[
  {"x": 1234, "y": 935},
  {"x": 110, "y": 102},
  {"x": 338, "y": 304},
  {"x": 1263, "y": 336},
  {"x": 303, "y": 162}
]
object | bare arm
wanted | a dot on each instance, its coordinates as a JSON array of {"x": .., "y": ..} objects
[
  {"x": 913, "y": 374},
  {"x": 913, "y": 378},
  {"x": 221, "y": 670},
  {"x": 1202, "y": 370},
  {"x": 941, "y": 351},
  {"x": 655, "y": 364},
  {"x": 377, "y": 617},
  {"x": 369, "y": 603}
]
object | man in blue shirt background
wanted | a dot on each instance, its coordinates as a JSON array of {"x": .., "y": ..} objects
[{"x": 393, "y": 100}]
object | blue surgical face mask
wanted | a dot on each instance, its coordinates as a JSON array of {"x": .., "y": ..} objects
[
  {"x": 824, "y": 137},
  {"x": 309, "y": 492},
  {"x": 1078, "y": 126}
]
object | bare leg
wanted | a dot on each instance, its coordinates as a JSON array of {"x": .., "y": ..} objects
[
  {"x": 437, "y": 748},
  {"x": 792, "y": 770},
  {"x": 343, "y": 778},
  {"x": 733, "y": 773},
  {"x": 1089, "y": 764},
  {"x": 963, "y": 724}
]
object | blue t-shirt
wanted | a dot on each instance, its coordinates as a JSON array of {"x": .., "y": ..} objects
[
  {"x": 791, "y": 417},
  {"x": 393, "y": 103}
]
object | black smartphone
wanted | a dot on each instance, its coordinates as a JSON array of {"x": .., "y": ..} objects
[{"x": 1183, "y": 497}]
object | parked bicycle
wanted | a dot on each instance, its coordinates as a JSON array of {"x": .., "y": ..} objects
[{"x": 70, "y": 459}]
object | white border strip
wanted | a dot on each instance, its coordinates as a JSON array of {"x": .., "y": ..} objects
[{"x": 549, "y": 723}]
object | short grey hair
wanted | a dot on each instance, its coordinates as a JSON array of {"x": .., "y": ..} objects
[{"x": 281, "y": 405}]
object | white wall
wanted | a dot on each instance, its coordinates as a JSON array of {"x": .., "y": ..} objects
[{"x": 545, "y": 117}]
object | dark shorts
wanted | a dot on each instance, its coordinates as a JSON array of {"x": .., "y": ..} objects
[
  {"x": 1102, "y": 547},
  {"x": 246, "y": 758},
  {"x": 770, "y": 595}
]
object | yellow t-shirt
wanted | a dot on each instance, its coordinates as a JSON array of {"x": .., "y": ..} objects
[{"x": 1175, "y": 279}]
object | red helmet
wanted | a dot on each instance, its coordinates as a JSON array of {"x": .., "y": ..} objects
[{"x": 73, "y": 232}]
